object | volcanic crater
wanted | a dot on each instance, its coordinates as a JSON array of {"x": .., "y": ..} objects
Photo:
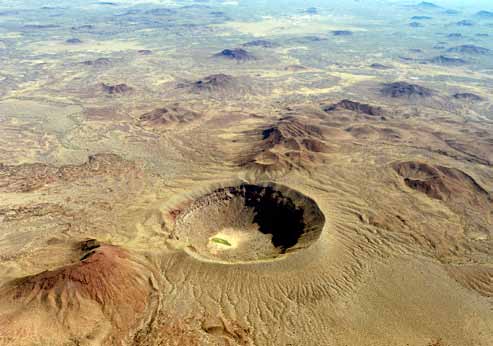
[{"x": 248, "y": 223}]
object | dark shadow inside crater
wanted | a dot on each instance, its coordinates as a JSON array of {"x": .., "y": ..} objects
[{"x": 275, "y": 214}]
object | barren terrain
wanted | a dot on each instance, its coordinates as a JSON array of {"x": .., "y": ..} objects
[{"x": 233, "y": 173}]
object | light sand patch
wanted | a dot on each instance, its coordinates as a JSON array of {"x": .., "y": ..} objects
[
  {"x": 295, "y": 25},
  {"x": 48, "y": 47}
]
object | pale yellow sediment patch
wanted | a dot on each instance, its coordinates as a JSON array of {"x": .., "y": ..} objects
[
  {"x": 90, "y": 46},
  {"x": 293, "y": 25},
  {"x": 12, "y": 34}
]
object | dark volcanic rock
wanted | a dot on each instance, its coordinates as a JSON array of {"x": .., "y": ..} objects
[
  {"x": 39, "y": 26},
  {"x": 97, "y": 62},
  {"x": 237, "y": 54},
  {"x": 89, "y": 244},
  {"x": 309, "y": 39},
  {"x": 311, "y": 10},
  {"x": 217, "y": 13},
  {"x": 404, "y": 89},
  {"x": 380, "y": 66},
  {"x": 215, "y": 82},
  {"x": 160, "y": 12},
  {"x": 485, "y": 14},
  {"x": 467, "y": 96},
  {"x": 144, "y": 51},
  {"x": 465, "y": 22},
  {"x": 421, "y": 18},
  {"x": 416, "y": 25},
  {"x": 469, "y": 49},
  {"x": 342, "y": 33},
  {"x": 287, "y": 144},
  {"x": 454, "y": 35},
  {"x": 445, "y": 60},
  {"x": 261, "y": 43},
  {"x": 355, "y": 107},
  {"x": 83, "y": 27},
  {"x": 295, "y": 68},
  {"x": 452, "y": 12},
  {"x": 116, "y": 89},
  {"x": 440, "y": 182},
  {"x": 428, "y": 5},
  {"x": 73, "y": 41}
]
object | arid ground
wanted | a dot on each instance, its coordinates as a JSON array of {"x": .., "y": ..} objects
[{"x": 246, "y": 173}]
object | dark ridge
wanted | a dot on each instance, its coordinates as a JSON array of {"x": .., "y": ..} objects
[
  {"x": 469, "y": 49},
  {"x": 416, "y": 50},
  {"x": 217, "y": 13},
  {"x": 444, "y": 60},
  {"x": 116, "y": 89},
  {"x": 309, "y": 39},
  {"x": 416, "y": 25},
  {"x": 452, "y": 12},
  {"x": 89, "y": 244},
  {"x": 128, "y": 13},
  {"x": 311, "y": 10},
  {"x": 83, "y": 27},
  {"x": 295, "y": 68},
  {"x": 73, "y": 41},
  {"x": 342, "y": 33},
  {"x": 107, "y": 3},
  {"x": 215, "y": 82},
  {"x": 465, "y": 22},
  {"x": 438, "y": 182},
  {"x": 97, "y": 62},
  {"x": 421, "y": 18},
  {"x": 467, "y": 96},
  {"x": 427, "y": 5},
  {"x": 355, "y": 107},
  {"x": 237, "y": 54},
  {"x": 485, "y": 14},
  {"x": 160, "y": 12},
  {"x": 261, "y": 43},
  {"x": 405, "y": 58},
  {"x": 144, "y": 51},
  {"x": 87, "y": 255},
  {"x": 482, "y": 35},
  {"x": 40, "y": 26},
  {"x": 404, "y": 89},
  {"x": 379, "y": 66},
  {"x": 454, "y": 35}
]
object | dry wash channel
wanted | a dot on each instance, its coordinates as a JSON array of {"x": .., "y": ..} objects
[{"x": 248, "y": 223}]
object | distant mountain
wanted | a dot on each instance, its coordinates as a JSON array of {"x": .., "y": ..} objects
[
  {"x": 485, "y": 14},
  {"x": 465, "y": 22},
  {"x": 469, "y": 49},
  {"x": 428, "y": 5},
  {"x": 237, "y": 54},
  {"x": 447, "y": 61}
]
